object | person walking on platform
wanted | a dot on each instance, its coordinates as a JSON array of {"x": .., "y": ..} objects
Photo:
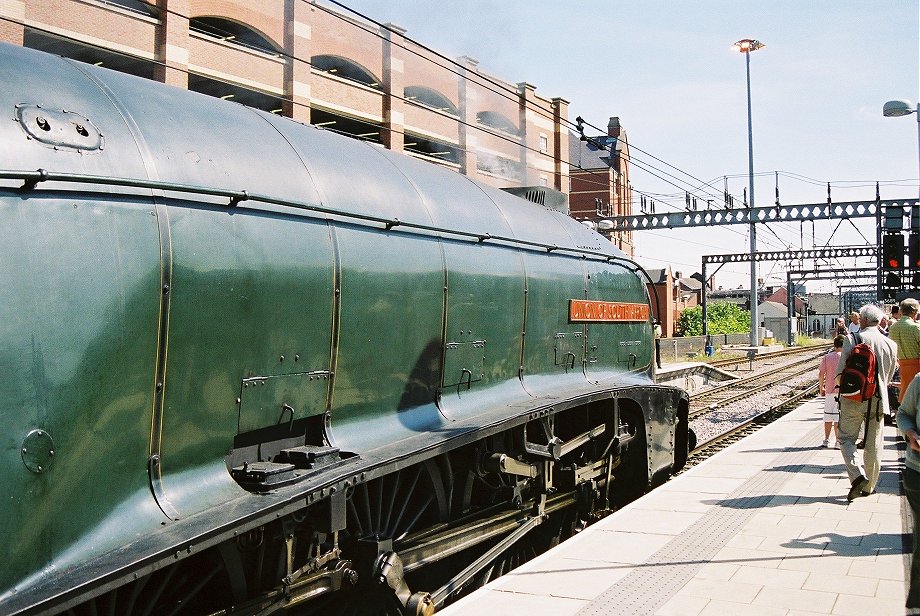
[
  {"x": 863, "y": 474},
  {"x": 906, "y": 334},
  {"x": 908, "y": 419},
  {"x": 854, "y": 325},
  {"x": 827, "y": 387},
  {"x": 840, "y": 328}
]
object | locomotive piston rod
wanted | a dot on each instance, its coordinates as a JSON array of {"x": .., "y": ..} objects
[
  {"x": 503, "y": 463},
  {"x": 556, "y": 448}
]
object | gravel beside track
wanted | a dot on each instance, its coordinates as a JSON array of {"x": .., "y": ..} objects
[{"x": 713, "y": 424}]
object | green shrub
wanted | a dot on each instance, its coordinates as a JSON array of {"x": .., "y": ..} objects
[{"x": 724, "y": 318}]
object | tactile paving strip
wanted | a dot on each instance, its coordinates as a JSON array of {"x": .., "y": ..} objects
[{"x": 655, "y": 582}]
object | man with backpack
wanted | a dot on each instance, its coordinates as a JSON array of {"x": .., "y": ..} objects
[{"x": 863, "y": 397}]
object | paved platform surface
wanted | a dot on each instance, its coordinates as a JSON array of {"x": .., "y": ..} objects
[{"x": 761, "y": 528}]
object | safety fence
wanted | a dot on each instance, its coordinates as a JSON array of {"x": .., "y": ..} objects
[{"x": 679, "y": 349}]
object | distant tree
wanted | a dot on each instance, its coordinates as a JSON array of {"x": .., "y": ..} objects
[{"x": 724, "y": 318}]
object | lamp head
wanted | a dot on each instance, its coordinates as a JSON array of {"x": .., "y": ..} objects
[
  {"x": 748, "y": 45},
  {"x": 605, "y": 225},
  {"x": 896, "y": 109}
]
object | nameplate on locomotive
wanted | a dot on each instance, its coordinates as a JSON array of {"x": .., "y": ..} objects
[{"x": 591, "y": 311}]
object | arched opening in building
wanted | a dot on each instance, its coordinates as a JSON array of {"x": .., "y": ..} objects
[
  {"x": 495, "y": 120},
  {"x": 346, "y": 69},
  {"x": 430, "y": 98},
  {"x": 234, "y": 32},
  {"x": 345, "y": 125}
]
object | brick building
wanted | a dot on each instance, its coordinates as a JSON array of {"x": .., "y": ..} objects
[
  {"x": 600, "y": 181},
  {"x": 304, "y": 60},
  {"x": 673, "y": 294}
]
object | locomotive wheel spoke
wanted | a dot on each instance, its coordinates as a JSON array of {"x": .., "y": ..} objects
[
  {"x": 391, "y": 507},
  {"x": 405, "y": 504}
]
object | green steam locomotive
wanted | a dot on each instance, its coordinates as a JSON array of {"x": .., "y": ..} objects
[{"x": 251, "y": 366}]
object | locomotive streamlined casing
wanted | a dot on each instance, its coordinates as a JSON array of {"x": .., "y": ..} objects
[{"x": 153, "y": 335}]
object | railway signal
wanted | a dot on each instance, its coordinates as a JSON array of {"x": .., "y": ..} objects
[
  {"x": 892, "y": 251},
  {"x": 913, "y": 250}
]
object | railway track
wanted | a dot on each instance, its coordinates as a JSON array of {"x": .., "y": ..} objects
[
  {"x": 731, "y": 411},
  {"x": 768, "y": 358},
  {"x": 750, "y": 425},
  {"x": 724, "y": 394}
]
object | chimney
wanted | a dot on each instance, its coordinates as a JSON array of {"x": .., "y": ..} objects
[{"x": 613, "y": 127}]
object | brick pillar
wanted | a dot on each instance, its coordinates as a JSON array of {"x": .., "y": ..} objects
[
  {"x": 561, "y": 145},
  {"x": 298, "y": 43},
  {"x": 469, "y": 103},
  {"x": 12, "y": 16},
  {"x": 623, "y": 203},
  {"x": 172, "y": 43},
  {"x": 394, "y": 114},
  {"x": 527, "y": 101}
]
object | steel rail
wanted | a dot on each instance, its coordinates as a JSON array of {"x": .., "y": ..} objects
[
  {"x": 764, "y": 356},
  {"x": 699, "y": 453},
  {"x": 769, "y": 376},
  {"x": 696, "y": 413}
]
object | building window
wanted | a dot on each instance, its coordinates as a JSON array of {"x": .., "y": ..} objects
[
  {"x": 233, "y": 92},
  {"x": 344, "y": 125},
  {"x": 90, "y": 54},
  {"x": 432, "y": 150},
  {"x": 135, "y": 6},
  {"x": 544, "y": 144}
]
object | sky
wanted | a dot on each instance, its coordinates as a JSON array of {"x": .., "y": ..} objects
[{"x": 667, "y": 70}]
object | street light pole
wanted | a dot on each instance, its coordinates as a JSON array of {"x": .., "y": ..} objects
[{"x": 746, "y": 46}]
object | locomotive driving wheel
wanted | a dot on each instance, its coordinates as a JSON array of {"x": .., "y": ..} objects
[{"x": 383, "y": 515}]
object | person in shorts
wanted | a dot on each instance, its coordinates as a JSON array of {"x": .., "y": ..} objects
[{"x": 827, "y": 387}]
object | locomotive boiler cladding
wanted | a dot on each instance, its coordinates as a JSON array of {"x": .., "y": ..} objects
[{"x": 252, "y": 366}]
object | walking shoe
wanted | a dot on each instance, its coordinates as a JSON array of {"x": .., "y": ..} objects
[
  {"x": 856, "y": 489},
  {"x": 824, "y": 444}
]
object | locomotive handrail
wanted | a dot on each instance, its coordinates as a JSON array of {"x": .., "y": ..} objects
[{"x": 32, "y": 178}]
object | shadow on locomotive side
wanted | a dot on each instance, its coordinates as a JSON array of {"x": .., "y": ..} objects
[{"x": 333, "y": 392}]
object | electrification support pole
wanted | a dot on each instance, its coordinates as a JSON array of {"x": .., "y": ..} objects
[
  {"x": 790, "y": 307},
  {"x": 705, "y": 303},
  {"x": 755, "y": 320}
]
